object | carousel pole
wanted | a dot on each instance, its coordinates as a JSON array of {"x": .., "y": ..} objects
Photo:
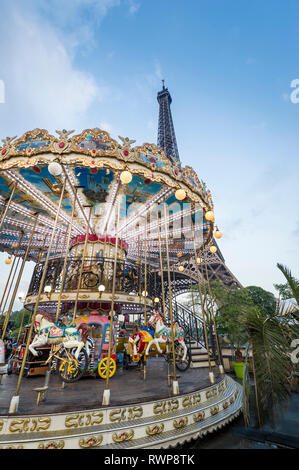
[
  {"x": 211, "y": 373},
  {"x": 145, "y": 284},
  {"x": 3, "y": 215},
  {"x": 221, "y": 369},
  {"x": 174, "y": 287},
  {"x": 21, "y": 326},
  {"x": 17, "y": 283},
  {"x": 82, "y": 264},
  {"x": 145, "y": 268},
  {"x": 7, "y": 283},
  {"x": 138, "y": 263},
  {"x": 106, "y": 394},
  {"x": 29, "y": 319},
  {"x": 9, "y": 286},
  {"x": 64, "y": 263},
  {"x": 8, "y": 313},
  {"x": 68, "y": 235},
  {"x": 14, "y": 403},
  {"x": 175, "y": 385},
  {"x": 7, "y": 297},
  {"x": 163, "y": 293},
  {"x": 161, "y": 271}
]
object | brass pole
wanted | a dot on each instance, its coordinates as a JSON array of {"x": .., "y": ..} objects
[
  {"x": 6, "y": 286},
  {"x": 10, "y": 273},
  {"x": 174, "y": 286},
  {"x": 8, "y": 313},
  {"x": 15, "y": 399},
  {"x": 56, "y": 245},
  {"x": 7, "y": 205},
  {"x": 82, "y": 265},
  {"x": 145, "y": 285},
  {"x": 221, "y": 369},
  {"x": 106, "y": 394},
  {"x": 205, "y": 296},
  {"x": 7, "y": 282},
  {"x": 145, "y": 268},
  {"x": 161, "y": 271},
  {"x": 67, "y": 235},
  {"x": 21, "y": 326},
  {"x": 211, "y": 374},
  {"x": 64, "y": 263},
  {"x": 175, "y": 385}
]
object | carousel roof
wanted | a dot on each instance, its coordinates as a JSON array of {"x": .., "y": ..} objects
[{"x": 92, "y": 161}]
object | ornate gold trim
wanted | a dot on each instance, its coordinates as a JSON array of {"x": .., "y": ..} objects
[
  {"x": 154, "y": 430},
  {"x": 123, "y": 437},
  {"x": 93, "y": 441},
  {"x": 214, "y": 410},
  {"x": 67, "y": 149},
  {"x": 29, "y": 425},
  {"x": 81, "y": 420},
  {"x": 52, "y": 445},
  {"x": 199, "y": 416},
  {"x": 180, "y": 423}
]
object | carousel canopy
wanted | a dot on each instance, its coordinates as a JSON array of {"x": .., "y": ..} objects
[{"x": 92, "y": 164}]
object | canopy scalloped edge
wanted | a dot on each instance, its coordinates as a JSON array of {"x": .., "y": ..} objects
[{"x": 95, "y": 148}]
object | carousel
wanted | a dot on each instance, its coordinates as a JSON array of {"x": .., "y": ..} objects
[{"x": 109, "y": 357}]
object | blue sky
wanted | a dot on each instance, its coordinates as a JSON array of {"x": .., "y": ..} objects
[{"x": 228, "y": 64}]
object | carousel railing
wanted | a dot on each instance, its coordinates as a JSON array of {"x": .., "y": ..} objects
[
  {"x": 96, "y": 271},
  {"x": 194, "y": 328}
]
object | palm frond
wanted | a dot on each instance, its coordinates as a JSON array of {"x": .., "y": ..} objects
[
  {"x": 291, "y": 280},
  {"x": 270, "y": 348},
  {"x": 246, "y": 388}
]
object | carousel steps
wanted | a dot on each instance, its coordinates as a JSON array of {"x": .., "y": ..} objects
[
  {"x": 200, "y": 357},
  {"x": 203, "y": 364}
]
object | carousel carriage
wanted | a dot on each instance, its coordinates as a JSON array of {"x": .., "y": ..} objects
[{"x": 97, "y": 345}]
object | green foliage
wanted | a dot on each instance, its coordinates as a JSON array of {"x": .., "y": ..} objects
[
  {"x": 231, "y": 303},
  {"x": 292, "y": 282},
  {"x": 254, "y": 315},
  {"x": 264, "y": 300},
  {"x": 284, "y": 291},
  {"x": 16, "y": 318},
  {"x": 270, "y": 338}
]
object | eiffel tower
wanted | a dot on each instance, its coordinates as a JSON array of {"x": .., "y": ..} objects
[{"x": 216, "y": 267}]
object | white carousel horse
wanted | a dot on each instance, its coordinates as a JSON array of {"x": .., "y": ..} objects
[
  {"x": 47, "y": 332},
  {"x": 163, "y": 334}
]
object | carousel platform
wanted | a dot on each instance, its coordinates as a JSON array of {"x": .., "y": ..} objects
[{"x": 142, "y": 414}]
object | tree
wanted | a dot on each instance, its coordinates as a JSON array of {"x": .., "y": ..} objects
[
  {"x": 254, "y": 315},
  {"x": 284, "y": 291},
  {"x": 17, "y": 317},
  {"x": 264, "y": 300},
  {"x": 292, "y": 283}
]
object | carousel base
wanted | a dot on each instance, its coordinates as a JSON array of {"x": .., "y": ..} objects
[{"x": 142, "y": 414}]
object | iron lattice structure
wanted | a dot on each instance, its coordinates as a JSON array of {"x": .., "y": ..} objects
[
  {"x": 216, "y": 267},
  {"x": 166, "y": 134}
]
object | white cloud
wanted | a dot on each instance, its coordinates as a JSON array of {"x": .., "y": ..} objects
[
  {"x": 133, "y": 7},
  {"x": 44, "y": 87},
  {"x": 106, "y": 126}
]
